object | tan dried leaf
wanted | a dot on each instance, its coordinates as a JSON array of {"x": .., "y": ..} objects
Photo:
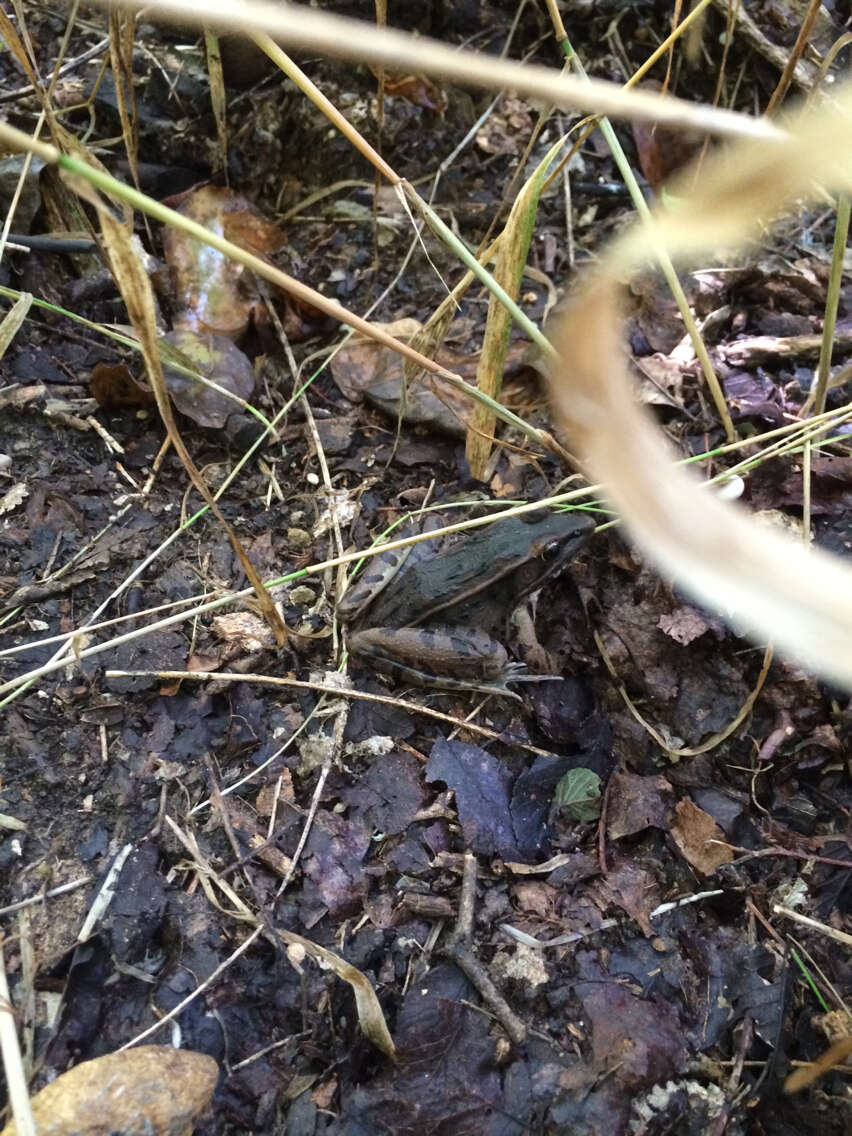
[
  {"x": 13, "y": 497},
  {"x": 370, "y": 1015},
  {"x": 699, "y": 839}
]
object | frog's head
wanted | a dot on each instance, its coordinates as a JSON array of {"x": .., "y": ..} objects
[{"x": 551, "y": 540}]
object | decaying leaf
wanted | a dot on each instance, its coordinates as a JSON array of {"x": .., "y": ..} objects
[
  {"x": 212, "y": 289},
  {"x": 244, "y": 630},
  {"x": 364, "y": 369},
  {"x": 700, "y": 840},
  {"x": 414, "y": 88},
  {"x": 116, "y": 389},
  {"x": 370, "y": 1016},
  {"x": 136, "y": 292},
  {"x": 636, "y": 803},
  {"x": 217, "y": 359},
  {"x": 662, "y": 152},
  {"x": 13, "y": 497}
]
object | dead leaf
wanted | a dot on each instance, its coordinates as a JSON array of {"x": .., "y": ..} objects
[
  {"x": 419, "y": 90},
  {"x": 115, "y": 388},
  {"x": 273, "y": 795},
  {"x": 215, "y": 292},
  {"x": 684, "y": 625},
  {"x": 216, "y": 358},
  {"x": 368, "y": 370},
  {"x": 661, "y": 151},
  {"x": 693, "y": 831},
  {"x": 13, "y": 497},
  {"x": 636, "y": 803},
  {"x": 370, "y": 1016},
  {"x": 632, "y": 889},
  {"x": 136, "y": 292}
]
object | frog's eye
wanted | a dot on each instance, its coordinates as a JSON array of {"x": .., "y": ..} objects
[{"x": 550, "y": 552}]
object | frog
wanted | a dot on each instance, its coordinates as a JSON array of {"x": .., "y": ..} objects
[{"x": 429, "y": 614}]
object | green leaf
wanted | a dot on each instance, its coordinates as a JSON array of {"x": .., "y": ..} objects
[{"x": 579, "y": 793}]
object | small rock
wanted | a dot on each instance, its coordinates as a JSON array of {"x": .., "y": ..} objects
[
  {"x": 303, "y": 595},
  {"x": 153, "y": 1090},
  {"x": 335, "y": 434},
  {"x": 299, "y": 538}
]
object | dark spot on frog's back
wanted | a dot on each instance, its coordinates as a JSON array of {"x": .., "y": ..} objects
[{"x": 560, "y": 522}]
